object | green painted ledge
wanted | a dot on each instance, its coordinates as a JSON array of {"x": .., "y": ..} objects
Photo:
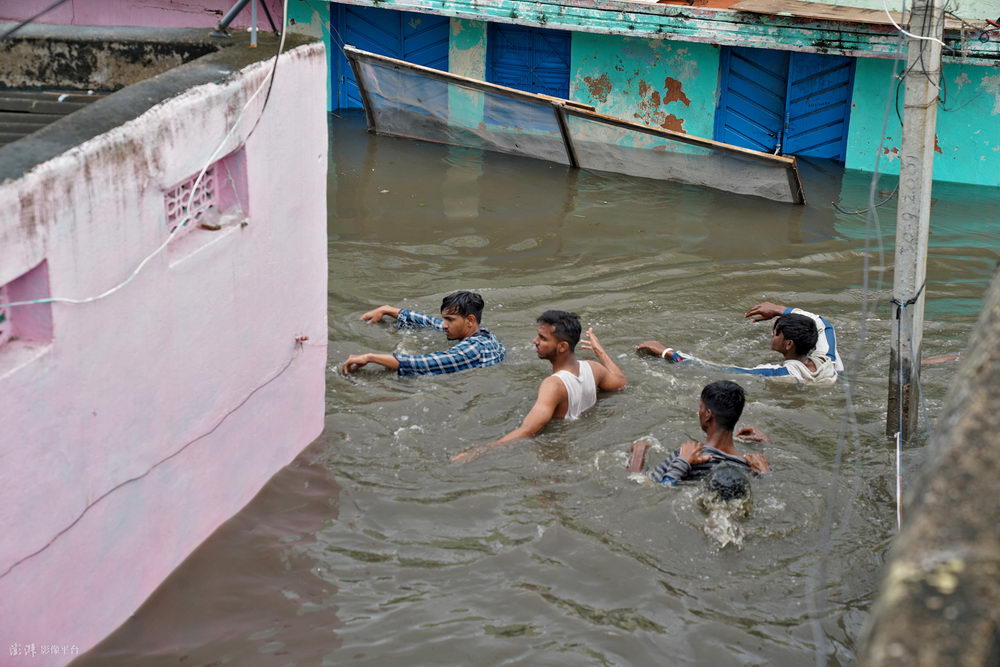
[{"x": 712, "y": 26}]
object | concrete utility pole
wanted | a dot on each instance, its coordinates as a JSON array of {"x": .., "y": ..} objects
[{"x": 922, "y": 75}]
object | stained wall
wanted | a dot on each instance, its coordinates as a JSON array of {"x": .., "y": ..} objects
[
  {"x": 134, "y": 425},
  {"x": 967, "y": 149}
]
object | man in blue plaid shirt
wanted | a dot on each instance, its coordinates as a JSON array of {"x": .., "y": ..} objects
[{"x": 461, "y": 313}]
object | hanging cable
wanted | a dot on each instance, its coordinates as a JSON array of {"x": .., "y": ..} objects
[
  {"x": 885, "y": 6},
  {"x": 194, "y": 188},
  {"x": 900, "y": 305},
  {"x": 815, "y": 596}
]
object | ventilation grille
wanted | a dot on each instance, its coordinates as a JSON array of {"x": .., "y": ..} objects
[{"x": 206, "y": 197}]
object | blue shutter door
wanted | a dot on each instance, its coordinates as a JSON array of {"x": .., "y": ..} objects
[
  {"x": 819, "y": 105},
  {"x": 751, "y": 109},
  {"x": 509, "y": 56},
  {"x": 530, "y": 59},
  {"x": 798, "y": 103},
  {"x": 550, "y": 69},
  {"x": 418, "y": 38}
]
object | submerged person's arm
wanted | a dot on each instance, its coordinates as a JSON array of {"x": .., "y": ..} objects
[
  {"x": 826, "y": 342},
  {"x": 405, "y": 318},
  {"x": 678, "y": 465},
  {"x": 459, "y": 357},
  {"x": 550, "y": 393},
  {"x": 771, "y": 371},
  {"x": 356, "y": 361}
]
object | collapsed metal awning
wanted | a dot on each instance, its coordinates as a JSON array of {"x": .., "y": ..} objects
[{"x": 406, "y": 100}]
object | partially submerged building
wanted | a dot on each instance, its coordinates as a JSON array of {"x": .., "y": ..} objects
[
  {"x": 811, "y": 79},
  {"x": 162, "y": 308}
]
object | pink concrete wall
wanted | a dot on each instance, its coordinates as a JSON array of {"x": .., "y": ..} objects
[
  {"x": 156, "y": 13},
  {"x": 152, "y": 383}
]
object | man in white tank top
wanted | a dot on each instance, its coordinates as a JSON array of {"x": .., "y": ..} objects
[{"x": 572, "y": 387}]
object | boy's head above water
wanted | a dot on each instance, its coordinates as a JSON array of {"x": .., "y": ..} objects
[
  {"x": 722, "y": 403},
  {"x": 462, "y": 312}
]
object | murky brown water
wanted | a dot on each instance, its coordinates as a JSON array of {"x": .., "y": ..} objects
[{"x": 372, "y": 550}]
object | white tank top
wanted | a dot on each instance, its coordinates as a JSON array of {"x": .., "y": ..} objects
[{"x": 581, "y": 390}]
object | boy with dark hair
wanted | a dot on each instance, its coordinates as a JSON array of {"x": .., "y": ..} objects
[
  {"x": 572, "y": 387},
  {"x": 807, "y": 342},
  {"x": 719, "y": 409},
  {"x": 461, "y": 314}
]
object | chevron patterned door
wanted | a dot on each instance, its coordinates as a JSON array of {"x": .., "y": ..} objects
[
  {"x": 786, "y": 102},
  {"x": 417, "y": 38}
]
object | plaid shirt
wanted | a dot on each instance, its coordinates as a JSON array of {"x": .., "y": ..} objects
[{"x": 479, "y": 350}]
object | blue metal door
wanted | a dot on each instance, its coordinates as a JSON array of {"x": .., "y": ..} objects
[
  {"x": 530, "y": 59},
  {"x": 819, "y": 105},
  {"x": 751, "y": 109},
  {"x": 417, "y": 38},
  {"x": 787, "y": 102}
]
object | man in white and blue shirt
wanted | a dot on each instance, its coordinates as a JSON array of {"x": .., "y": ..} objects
[
  {"x": 807, "y": 341},
  {"x": 461, "y": 313}
]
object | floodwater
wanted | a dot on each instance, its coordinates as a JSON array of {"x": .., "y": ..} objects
[{"x": 371, "y": 549}]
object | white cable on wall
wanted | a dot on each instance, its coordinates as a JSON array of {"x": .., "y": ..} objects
[
  {"x": 197, "y": 182},
  {"x": 885, "y": 6}
]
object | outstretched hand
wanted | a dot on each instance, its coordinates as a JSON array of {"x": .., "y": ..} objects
[
  {"x": 591, "y": 342},
  {"x": 470, "y": 454},
  {"x": 652, "y": 347},
  {"x": 353, "y": 363},
  {"x": 757, "y": 461},
  {"x": 691, "y": 452},
  {"x": 753, "y": 434},
  {"x": 764, "y": 311},
  {"x": 375, "y": 315}
]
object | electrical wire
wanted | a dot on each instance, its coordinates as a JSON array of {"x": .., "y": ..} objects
[
  {"x": 815, "y": 596},
  {"x": 194, "y": 188},
  {"x": 300, "y": 342},
  {"x": 862, "y": 211},
  {"x": 885, "y": 6}
]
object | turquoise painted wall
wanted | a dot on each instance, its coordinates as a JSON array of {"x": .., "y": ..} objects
[
  {"x": 467, "y": 57},
  {"x": 312, "y": 17},
  {"x": 968, "y": 124},
  {"x": 966, "y": 8},
  {"x": 672, "y": 85},
  {"x": 467, "y": 48}
]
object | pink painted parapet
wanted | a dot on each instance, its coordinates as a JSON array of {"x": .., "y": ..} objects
[
  {"x": 158, "y": 13},
  {"x": 133, "y": 426}
]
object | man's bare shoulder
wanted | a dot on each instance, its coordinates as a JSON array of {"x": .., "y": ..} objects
[
  {"x": 598, "y": 370},
  {"x": 550, "y": 384}
]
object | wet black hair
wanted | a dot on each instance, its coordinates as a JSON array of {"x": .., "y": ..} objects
[
  {"x": 726, "y": 400},
  {"x": 464, "y": 303},
  {"x": 728, "y": 481},
  {"x": 799, "y": 329},
  {"x": 565, "y": 326}
]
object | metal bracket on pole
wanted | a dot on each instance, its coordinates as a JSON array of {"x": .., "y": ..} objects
[{"x": 222, "y": 29}]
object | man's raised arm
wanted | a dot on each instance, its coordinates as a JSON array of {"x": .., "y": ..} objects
[
  {"x": 550, "y": 393},
  {"x": 613, "y": 379}
]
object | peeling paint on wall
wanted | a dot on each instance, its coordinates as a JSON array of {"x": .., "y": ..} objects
[
  {"x": 675, "y": 92},
  {"x": 599, "y": 87},
  {"x": 662, "y": 84},
  {"x": 467, "y": 48},
  {"x": 991, "y": 84},
  {"x": 467, "y": 57}
]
